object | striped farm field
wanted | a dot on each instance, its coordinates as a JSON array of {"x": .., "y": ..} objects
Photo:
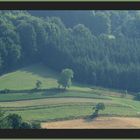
[{"x": 53, "y": 105}]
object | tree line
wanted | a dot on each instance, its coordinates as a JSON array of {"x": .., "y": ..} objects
[{"x": 101, "y": 47}]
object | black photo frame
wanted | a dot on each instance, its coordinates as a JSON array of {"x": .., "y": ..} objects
[{"x": 70, "y": 133}]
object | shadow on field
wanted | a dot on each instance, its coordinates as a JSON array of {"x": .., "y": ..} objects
[
  {"x": 89, "y": 118},
  {"x": 40, "y": 70},
  {"x": 53, "y": 91},
  {"x": 46, "y": 92}
]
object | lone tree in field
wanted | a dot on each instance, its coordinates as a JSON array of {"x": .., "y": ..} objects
[
  {"x": 99, "y": 106},
  {"x": 65, "y": 78},
  {"x": 38, "y": 84}
]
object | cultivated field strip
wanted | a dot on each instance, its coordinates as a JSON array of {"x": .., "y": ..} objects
[
  {"x": 42, "y": 95},
  {"x": 48, "y": 101},
  {"x": 87, "y": 104},
  {"x": 69, "y": 112},
  {"x": 53, "y": 104},
  {"x": 99, "y": 123}
]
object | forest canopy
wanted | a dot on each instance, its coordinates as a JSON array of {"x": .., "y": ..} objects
[{"x": 101, "y": 47}]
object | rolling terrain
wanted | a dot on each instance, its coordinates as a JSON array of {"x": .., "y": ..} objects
[{"x": 50, "y": 104}]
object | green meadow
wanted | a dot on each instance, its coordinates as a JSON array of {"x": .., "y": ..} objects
[{"x": 50, "y": 104}]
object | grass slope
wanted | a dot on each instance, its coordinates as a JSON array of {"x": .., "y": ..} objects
[
  {"x": 77, "y": 101},
  {"x": 26, "y": 78}
]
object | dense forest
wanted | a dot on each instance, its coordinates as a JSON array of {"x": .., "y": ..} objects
[{"x": 101, "y": 47}]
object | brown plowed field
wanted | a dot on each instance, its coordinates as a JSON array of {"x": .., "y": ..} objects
[{"x": 101, "y": 122}]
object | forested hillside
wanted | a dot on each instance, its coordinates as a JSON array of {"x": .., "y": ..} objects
[{"x": 101, "y": 47}]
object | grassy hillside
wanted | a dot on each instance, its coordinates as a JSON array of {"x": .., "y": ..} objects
[
  {"x": 26, "y": 78},
  {"x": 53, "y": 104}
]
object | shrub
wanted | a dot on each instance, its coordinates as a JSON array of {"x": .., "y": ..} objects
[
  {"x": 137, "y": 96},
  {"x": 99, "y": 106},
  {"x": 5, "y": 91},
  {"x": 36, "y": 125},
  {"x": 14, "y": 121},
  {"x": 25, "y": 125}
]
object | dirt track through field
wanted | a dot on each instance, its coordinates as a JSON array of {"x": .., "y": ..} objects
[{"x": 101, "y": 122}]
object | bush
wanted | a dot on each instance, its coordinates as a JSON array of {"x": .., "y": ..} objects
[
  {"x": 38, "y": 84},
  {"x": 94, "y": 115},
  {"x": 99, "y": 106},
  {"x": 5, "y": 91},
  {"x": 14, "y": 121},
  {"x": 25, "y": 125},
  {"x": 137, "y": 96},
  {"x": 36, "y": 125}
]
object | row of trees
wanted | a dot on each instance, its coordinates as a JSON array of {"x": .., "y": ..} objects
[{"x": 102, "y": 47}]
